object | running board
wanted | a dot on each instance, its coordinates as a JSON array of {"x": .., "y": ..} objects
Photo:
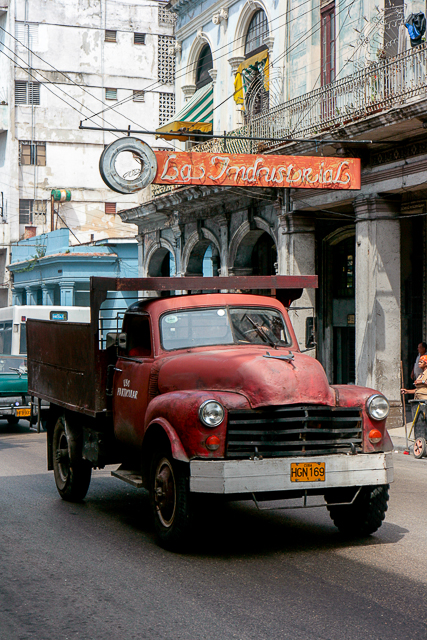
[{"x": 131, "y": 477}]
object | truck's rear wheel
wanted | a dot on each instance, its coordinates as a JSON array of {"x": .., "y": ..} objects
[
  {"x": 365, "y": 515},
  {"x": 72, "y": 473},
  {"x": 170, "y": 500}
]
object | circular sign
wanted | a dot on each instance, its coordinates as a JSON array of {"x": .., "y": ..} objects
[{"x": 133, "y": 180}]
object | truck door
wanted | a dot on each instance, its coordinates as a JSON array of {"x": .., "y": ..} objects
[{"x": 131, "y": 379}]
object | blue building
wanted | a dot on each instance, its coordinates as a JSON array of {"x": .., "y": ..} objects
[{"x": 48, "y": 271}]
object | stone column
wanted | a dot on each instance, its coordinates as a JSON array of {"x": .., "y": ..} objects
[
  {"x": 48, "y": 294},
  {"x": 378, "y": 323},
  {"x": 296, "y": 256},
  {"x": 66, "y": 293},
  {"x": 31, "y": 295},
  {"x": 17, "y": 296}
]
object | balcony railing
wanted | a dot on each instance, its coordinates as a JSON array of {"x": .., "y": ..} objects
[{"x": 384, "y": 84}]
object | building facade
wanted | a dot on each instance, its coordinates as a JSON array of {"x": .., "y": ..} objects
[
  {"x": 344, "y": 80},
  {"x": 105, "y": 63},
  {"x": 48, "y": 270}
]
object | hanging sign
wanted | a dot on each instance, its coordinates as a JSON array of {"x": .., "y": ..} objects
[
  {"x": 248, "y": 170},
  {"x": 224, "y": 169}
]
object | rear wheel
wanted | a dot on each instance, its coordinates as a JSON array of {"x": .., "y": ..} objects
[
  {"x": 420, "y": 448},
  {"x": 170, "y": 499},
  {"x": 72, "y": 473},
  {"x": 365, "y": 515}
]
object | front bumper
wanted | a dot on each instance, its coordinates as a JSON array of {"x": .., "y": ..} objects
[{"x": 254, "y": 476}]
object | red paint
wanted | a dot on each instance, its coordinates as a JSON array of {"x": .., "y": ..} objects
[
  {"x": 249, "y": 170},
  {"x": 237, "y": 376}
]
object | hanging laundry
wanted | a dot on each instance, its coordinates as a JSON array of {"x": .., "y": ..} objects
[{"x": 416, "y": 25}]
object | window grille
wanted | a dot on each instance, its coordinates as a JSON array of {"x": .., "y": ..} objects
[
  {"x": 139, "y": 38},
  {"x": 27, "y": 92},
  {"x": 166, "y": 17},
  {"x": 166, "y": 107},
  {"x": 32, "y": 153},
  {"x": 257, "y": 32},
  {"x": 27, "y": 34},
  {"x": 110, "y": 207},
  {"x": 26, "y": 211},
  {"x": 111, "y": 94},
  {"x": 139, "y": 96},
  {"x": 165, "y": 61},
  {"x": 110, "y": 35}
]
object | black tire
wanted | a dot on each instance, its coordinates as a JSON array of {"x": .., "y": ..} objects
[
  {"x": 420, "y": 448},
  {"x": 72, "y": 473},
  {"x": 170, "y": 500},
  {"x": 365, "y": 515},
  {"x": 12, "y": 420}
]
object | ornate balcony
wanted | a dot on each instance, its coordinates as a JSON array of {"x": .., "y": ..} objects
[{"x": 394, "y": 82}]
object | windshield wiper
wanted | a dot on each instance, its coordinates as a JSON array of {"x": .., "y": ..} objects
[{"x": 261, "y": 332}]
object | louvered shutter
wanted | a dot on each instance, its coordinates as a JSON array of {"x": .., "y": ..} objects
[{"x": 20, "y": 92}]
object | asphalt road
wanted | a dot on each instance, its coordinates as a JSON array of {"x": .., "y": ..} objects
[{"x": 93, "y": 571}]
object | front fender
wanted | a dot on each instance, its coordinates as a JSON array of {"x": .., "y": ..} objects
[
  {"x": 180, "y": 410},
  {"x": 177, "y": 449}
]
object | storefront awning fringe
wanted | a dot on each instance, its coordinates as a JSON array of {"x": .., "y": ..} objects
[{"x": 196, "y": 115}]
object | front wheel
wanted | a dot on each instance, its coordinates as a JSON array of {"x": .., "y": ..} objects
[
  {"x": 12, "y": 420},
  {"x": 170, "y": 500},
  {"x": 365, "y": 515},
  {"x": 72, "y": 473}
]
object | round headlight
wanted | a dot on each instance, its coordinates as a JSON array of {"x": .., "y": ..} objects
[
  {"x": 378, "y": 407},
  {"x": 211, "y": 413}
]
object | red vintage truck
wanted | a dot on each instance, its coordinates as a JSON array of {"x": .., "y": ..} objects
[{"x": 208, "y": 393}]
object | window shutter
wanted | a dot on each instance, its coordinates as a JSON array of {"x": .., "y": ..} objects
[
  {"x": 139, "y": 96},
  {"x": 33, "y": 93},
  {"x": 20, "y": 92},
  {"x": 110, "y": 207},
  {"x": 110, "y": 35},
  {"x": 25, "y": 153},
  {"x": 41, "y": 154},
  {"x": 111, "y": 94},
  {"x": 139, "y": 38},
  {"x": 25, "y": 211}
]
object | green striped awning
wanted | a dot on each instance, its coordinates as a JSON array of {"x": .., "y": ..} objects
[{"x": 195, "y": 115}]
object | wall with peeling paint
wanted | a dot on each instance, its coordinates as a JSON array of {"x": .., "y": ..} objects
[{"x": 68, "y": 36}]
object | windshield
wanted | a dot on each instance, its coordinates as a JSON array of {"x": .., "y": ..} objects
[
  {"x": 223, "y": 325},
  {"x": 10, "y": 365}
]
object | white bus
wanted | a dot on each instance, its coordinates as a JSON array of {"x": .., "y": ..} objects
[{"x": 13, "y": 335}]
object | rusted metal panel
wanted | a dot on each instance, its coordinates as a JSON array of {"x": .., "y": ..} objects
[
  {"x": 65, "y": 365},
  {"x": 248, "y": 170}
]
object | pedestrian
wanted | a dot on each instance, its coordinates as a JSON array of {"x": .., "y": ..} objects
[
  {"x": 420, "y": 393},
  {"x": 417, "y": 371}
]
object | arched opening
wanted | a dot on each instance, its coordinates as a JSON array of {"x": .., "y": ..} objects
[
  {"x": 204, "y": 259},
  {"x": 162, "y": 263},
  {"x": 204, "y": 65},
  {"x": 256, "y": 33},
  {"x": 256, "y": 255},
  {"x": 254, "y": 78}
]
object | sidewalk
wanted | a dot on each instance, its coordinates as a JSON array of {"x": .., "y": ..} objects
[{"x": 398, "y": 438}]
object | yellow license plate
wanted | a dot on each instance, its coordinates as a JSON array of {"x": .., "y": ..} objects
[
  {"x": 23, "y": 413},
  {"x": 308, "y": 472}
]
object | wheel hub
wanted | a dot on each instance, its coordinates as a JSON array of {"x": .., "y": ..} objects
[{"x": 165, "y": 492}]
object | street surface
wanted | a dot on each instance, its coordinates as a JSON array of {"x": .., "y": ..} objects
[{"x": 93, "y": 571}]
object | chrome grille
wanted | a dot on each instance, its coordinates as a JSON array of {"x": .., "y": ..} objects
[{"x": 293, "y": 431}]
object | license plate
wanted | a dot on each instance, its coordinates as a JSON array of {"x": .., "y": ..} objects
[
  {"x": 308, "y": 472},
  {"x": 23, "y": 413}
]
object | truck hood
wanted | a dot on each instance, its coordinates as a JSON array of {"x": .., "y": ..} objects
[{"x": 263, "y": 380}]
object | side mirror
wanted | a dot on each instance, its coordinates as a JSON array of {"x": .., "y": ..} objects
[
  {"x": 310, "y": 337},
  {"x": 112, "y": 340},
  {"x": 123, "y": 341}
]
